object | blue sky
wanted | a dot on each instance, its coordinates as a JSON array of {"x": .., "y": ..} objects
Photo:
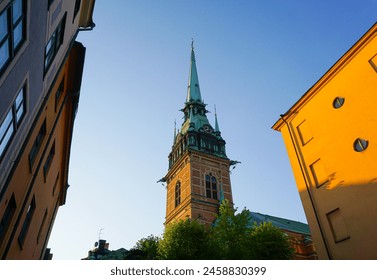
[{"x": 255, "y": 59}]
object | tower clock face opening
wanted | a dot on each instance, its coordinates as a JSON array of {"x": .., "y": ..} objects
[{"x": 207, "y": 128}]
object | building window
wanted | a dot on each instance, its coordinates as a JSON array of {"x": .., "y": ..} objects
[
  {"x": 27, "y": 222},
  {"x": 304, "y": 132},
  {"x": 319, "y": 173},
  {"x": 338, "y": 226},
  {"x": 55, "y": 184},
  {"x": 12, "y": 121},
  {"x": 41, "y": 227},
  {"x": 58, "y": 93},
  {"x": 7, "y": 218},
  {"x": 77, "y": 8},
  {"x": 211, "y": 186},
  {"x": 12, "y": 31},
  {"x": 54, "y": 43},
  {"x": 373, "y": 62},
  {"x": 49, "y": 159},
  {"x": 360, "y": 145},
  {"x": 177, "y": 194},
  {"x": 37, "y": 144},
  {"x": 49, "y": 3},
  {"x": 338, "y": 102}
]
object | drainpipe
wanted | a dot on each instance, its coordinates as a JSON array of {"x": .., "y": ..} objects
[{"x": 307, "y": 187}]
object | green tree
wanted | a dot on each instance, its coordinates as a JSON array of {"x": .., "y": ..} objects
[
  {"x": 147, "y": 247},
  {"x": 185, "y": 240},
  {"x": 270, "y": 243},
  {"x": 232, "y": 232},
  {"x": 233, "y": 236},
  {"x": 237, "y": 238}
]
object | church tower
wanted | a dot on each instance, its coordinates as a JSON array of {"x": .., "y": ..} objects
[{"x": 198, "y": 177}]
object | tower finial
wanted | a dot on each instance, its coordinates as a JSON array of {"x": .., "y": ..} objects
[
  {"x": 217, "y": 129},
  {"x": 193, "y": 91}
]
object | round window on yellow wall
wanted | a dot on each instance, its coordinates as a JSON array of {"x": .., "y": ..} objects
[
  {"x": 360, "y": 145},
  {"x": 338, "y": 102}
]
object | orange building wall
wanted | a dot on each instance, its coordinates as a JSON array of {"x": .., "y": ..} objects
[{"x": 26, "y": 182}]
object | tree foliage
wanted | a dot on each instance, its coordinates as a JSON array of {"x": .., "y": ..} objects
[
  {"x": 238, "y": 238},
  {"x": 232, "y": 236},
  {"x": 231, "y": 232},
  {"x": 147, "y": 248},
  {"x": 270, "y": 243},
  {"x": 185, "y": 240}
]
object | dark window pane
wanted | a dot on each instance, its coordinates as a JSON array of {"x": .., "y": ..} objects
[
  {"x": 58, "y": 93},
  {"x": 7, "y": 217},
  {"x": 17, "y": 10},
  {"x": 20, "y": 98},
  {"x": 37, "y": 144},
  {"x": 20, "y": 114},
  {"x": 208, "y": 193},
  {"x": 27, "y": 222},
  {"x": 18, "y": 34},
  {"x": 3, "y": 25},
  {"x": 4, "y": 53},
  {"x": 49, "y": 159},
  {"x": 6, "y": 131},
  {"x": 4, "y": 126},
  {"x": 77, "y": 8},
  {"x": 177, "y": 194},
  {"x": 12, "y": 31},
  {"x": 6, "y": 139},
  {"x": 54, "y": 43},
  {"x": 49, "y": 44}
]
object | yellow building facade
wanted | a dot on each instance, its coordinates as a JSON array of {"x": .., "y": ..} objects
[{"x": 330, "y": 135}]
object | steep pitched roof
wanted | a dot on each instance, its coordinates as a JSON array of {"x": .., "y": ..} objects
[
  {"x": 281, "y": 223},
  {"x": 193, "y": 90}
]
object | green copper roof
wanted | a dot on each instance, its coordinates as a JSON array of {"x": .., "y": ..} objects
[
  {"x": 196, "y": 132},
  {"x": 193, "y": 91},
  {"x": 281, "y": 223}
]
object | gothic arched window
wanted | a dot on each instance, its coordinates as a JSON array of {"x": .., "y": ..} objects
[
  {"x": 211, "y": 186},
  {"x": 177, "y": 194}
]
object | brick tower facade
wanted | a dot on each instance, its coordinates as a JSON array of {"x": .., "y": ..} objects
[{"x": 198, "y": 177}]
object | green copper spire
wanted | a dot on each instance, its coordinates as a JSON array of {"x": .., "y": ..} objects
[
  {"x": 193, "y": 91},
  {"x": 196, "y": 133},
  {"x": 217, "y": 129}
]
